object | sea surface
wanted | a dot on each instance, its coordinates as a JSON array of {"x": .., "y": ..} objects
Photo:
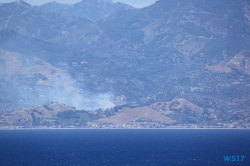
[{"x": 124, "y": 147}]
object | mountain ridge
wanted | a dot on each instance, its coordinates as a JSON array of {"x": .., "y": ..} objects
[
  {"x": 35, "y": 22},
  {"x": 94, "y": 10},
  {"x": 194, "y": 52}
]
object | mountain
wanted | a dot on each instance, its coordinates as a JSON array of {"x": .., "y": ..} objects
[
  {"x": 32, "y": 47},
  {"x": 94, "y": 10},
  {"x": 189, "y": 24},
  {"x": 161, "y": 52},
  {"x": 55, "y": 7},
  {"x": 164, "y": 51},
  {"x": 192, "y": 56},
  {"x": 35, "y": 22}
]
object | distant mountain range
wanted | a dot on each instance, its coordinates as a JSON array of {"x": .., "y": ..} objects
[
  {"x": 191, "y": 55},
  {"x": 93, "y": 10},
  {"x": 35, "y": 22}
]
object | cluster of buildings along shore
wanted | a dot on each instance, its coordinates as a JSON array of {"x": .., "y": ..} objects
[{"x": 132, "y": 126}]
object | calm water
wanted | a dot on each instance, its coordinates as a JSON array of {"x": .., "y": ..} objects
[{"x": 123, "y": 147}]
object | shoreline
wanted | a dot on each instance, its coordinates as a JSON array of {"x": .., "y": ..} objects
[{"x": 1, "y": 129}]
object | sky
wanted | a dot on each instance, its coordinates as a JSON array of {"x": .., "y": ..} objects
[{"x": 134, "y": 3}]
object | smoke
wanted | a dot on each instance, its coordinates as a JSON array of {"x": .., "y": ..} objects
[
  {"x": 92, "y": 102},
  {"x": 35, "y": 91},
  {"x": 32, "y": 82},
  {"x": 66, "y": 91}
]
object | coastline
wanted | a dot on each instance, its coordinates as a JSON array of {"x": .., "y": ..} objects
[{"x": 2, "y": 129}]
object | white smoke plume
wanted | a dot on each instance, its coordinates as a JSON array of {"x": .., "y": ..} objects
[
  {"x": 33, "y": 82},
  {"x": 66, "y": 91}
]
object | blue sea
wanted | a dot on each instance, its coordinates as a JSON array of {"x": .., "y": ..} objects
[{"x": 125, "y": 147}]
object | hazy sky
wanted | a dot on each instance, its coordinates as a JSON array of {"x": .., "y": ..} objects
[{"x": 135, "y": 3}]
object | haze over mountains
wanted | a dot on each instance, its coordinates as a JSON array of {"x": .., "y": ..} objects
[{"x": 191, "y": 56}]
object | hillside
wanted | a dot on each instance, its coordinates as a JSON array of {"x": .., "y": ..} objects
[
  {"x": 162, "y": 55},
  {"x": 176, "y": 113},
  {"x": 190, "y": 56},
  {"x": 54, "y": 114}
]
